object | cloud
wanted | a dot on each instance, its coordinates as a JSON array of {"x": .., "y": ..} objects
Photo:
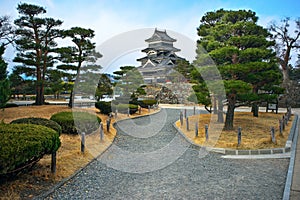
[{"x": 109, "y": 18}]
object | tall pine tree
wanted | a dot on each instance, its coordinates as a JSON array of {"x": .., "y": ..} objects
[
  {"x": 242, "y": 52},
  {"x": 73, "y": 58},
  {"x": 35, "y": 44}
]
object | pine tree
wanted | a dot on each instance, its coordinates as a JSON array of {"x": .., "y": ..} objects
[
  {"x": 242, "y": 52},
  {"x": 4, "y": 82},
  {"x": 73, "y": 59},
  {"x": 35, "y": 44}
]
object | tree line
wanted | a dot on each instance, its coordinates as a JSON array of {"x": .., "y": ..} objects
[
  {"x": 252, "y": 62},
  {"x": 39, "y": 56}
]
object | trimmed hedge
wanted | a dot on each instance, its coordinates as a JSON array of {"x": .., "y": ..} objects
[
  {"x": 23, "y": 144},
  {"x": 104, "y": 107},
  {"x": 39, "y": 121},
  {"x": 76, "y": 122},
  {"x": 123, "y": 108},
  {"x": 147, "y": 102},
  {"x": 11, "y": 105},
  {"x": 108, "y": 107}
]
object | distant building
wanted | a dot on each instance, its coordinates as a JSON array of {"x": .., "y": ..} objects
[{"x": 160, "y": 59}]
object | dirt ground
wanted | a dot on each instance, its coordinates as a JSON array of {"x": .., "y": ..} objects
[{"x": 256, "y": 131}]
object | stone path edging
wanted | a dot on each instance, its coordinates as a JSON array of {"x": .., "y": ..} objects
[
  {"x": 250, "y": 153},
  {"x": 289, "y": 176}
]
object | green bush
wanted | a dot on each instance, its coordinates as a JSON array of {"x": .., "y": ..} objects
[
  {"x": 108, "y": 107},
  {"x": 147, "y": 102},
  {"x": 11, "y": 105},
  {"x": 123, "y": 108},
  {"x": 39, "y": 121},
  {"x": 104, "y": 107},
  {"x": 22, "y": 144},
  {"x": 76, "y": 122}
]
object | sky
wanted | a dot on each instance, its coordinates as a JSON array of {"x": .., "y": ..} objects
[{"x": 111, "y": 19}]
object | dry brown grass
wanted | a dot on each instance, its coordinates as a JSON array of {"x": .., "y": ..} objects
[
  {"x": 256, "y": 132},
  {"x": 69, "y": 156}
]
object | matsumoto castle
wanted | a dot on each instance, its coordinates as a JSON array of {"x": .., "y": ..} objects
[{"x": 160, "y": 59}]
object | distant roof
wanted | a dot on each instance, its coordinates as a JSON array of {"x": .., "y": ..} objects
[
  {"x": 161, "y": 48},
  {"x": 160, "y": 36}
]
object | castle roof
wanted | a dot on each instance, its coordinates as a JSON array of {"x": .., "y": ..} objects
[
  {"x": 161, "y": 48},
  {"x": 160, "y": 36}
]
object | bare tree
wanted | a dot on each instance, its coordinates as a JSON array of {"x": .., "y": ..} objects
[
  {"x": 287, "y": 40},
  {"x": 6, "y": 31}
]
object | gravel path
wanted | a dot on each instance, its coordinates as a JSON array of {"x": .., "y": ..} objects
[{"x": 155, "y": 162}]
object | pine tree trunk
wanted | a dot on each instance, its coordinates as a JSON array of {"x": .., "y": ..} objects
[
  {"x": 230, "y": 112},
  {"x": 71, "y": 100},
  {"x": 215, "y": 109},
  {"x": 220, "y": 111},
  {"x": 254, "y": 110},
  {"x": 38, "y": 98}
]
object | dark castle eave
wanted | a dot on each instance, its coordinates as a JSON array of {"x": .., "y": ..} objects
[{"x": 160, "y": 36}]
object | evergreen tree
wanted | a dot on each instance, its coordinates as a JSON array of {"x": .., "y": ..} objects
[
  {"x": 4, "y": 82},
  {"x": 35, "y": 44},
  {"x": 104, "y": 87},
  {"x": 184, "y": 68},
  {"x": 74, "y": 57},
  {"x": 129, "y": 81},
  {"x": 242, "y": 52},
  {"x": 17, "y": 83}
]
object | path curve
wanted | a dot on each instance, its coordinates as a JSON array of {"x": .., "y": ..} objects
[{"x": 189, "y": 176}]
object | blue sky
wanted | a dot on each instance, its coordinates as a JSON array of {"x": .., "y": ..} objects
[{"x": 112, "y": 17}]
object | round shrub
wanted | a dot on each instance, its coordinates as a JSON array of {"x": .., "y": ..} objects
[
  {"x": 39, "y": 121},
  {"x": 147, "y": 102},
  {"x": 104, "y": 107},
  {"x": 24, "y": 144},
  {"x": 76, "y": 122},
  {"x": 123, "y": 108}
]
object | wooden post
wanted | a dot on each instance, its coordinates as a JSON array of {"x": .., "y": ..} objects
[
  {"x": 283, "y": 123},
  {"x": 107, "y": 124},
  {"x": 194, "y": 110},
  {"x": 239, "y": 136},
  {"x": 140, "y": 110},
  {"x": 185, "y": 116},
  {"x": 280, "y": 127},
  {"x": 116, "y": 113},
  {"x": 82, "y": 142},
  {"x": 206, "y": 132},
  {"x": 187, "y": 124},
  {"x": 196, "y": 129},
  {"x": 101, "y": 131},
  {"x": 53, "y": 162},
  {"x": 181, "y": 118},
  {"x": 273, "y": 135}
]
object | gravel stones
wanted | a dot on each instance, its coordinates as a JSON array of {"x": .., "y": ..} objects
[{"x": 165, "y": 166}]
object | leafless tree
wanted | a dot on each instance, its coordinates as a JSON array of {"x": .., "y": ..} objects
[
  {"x": 287, "y": 40},
  {"x": 6, "y": 31}
]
